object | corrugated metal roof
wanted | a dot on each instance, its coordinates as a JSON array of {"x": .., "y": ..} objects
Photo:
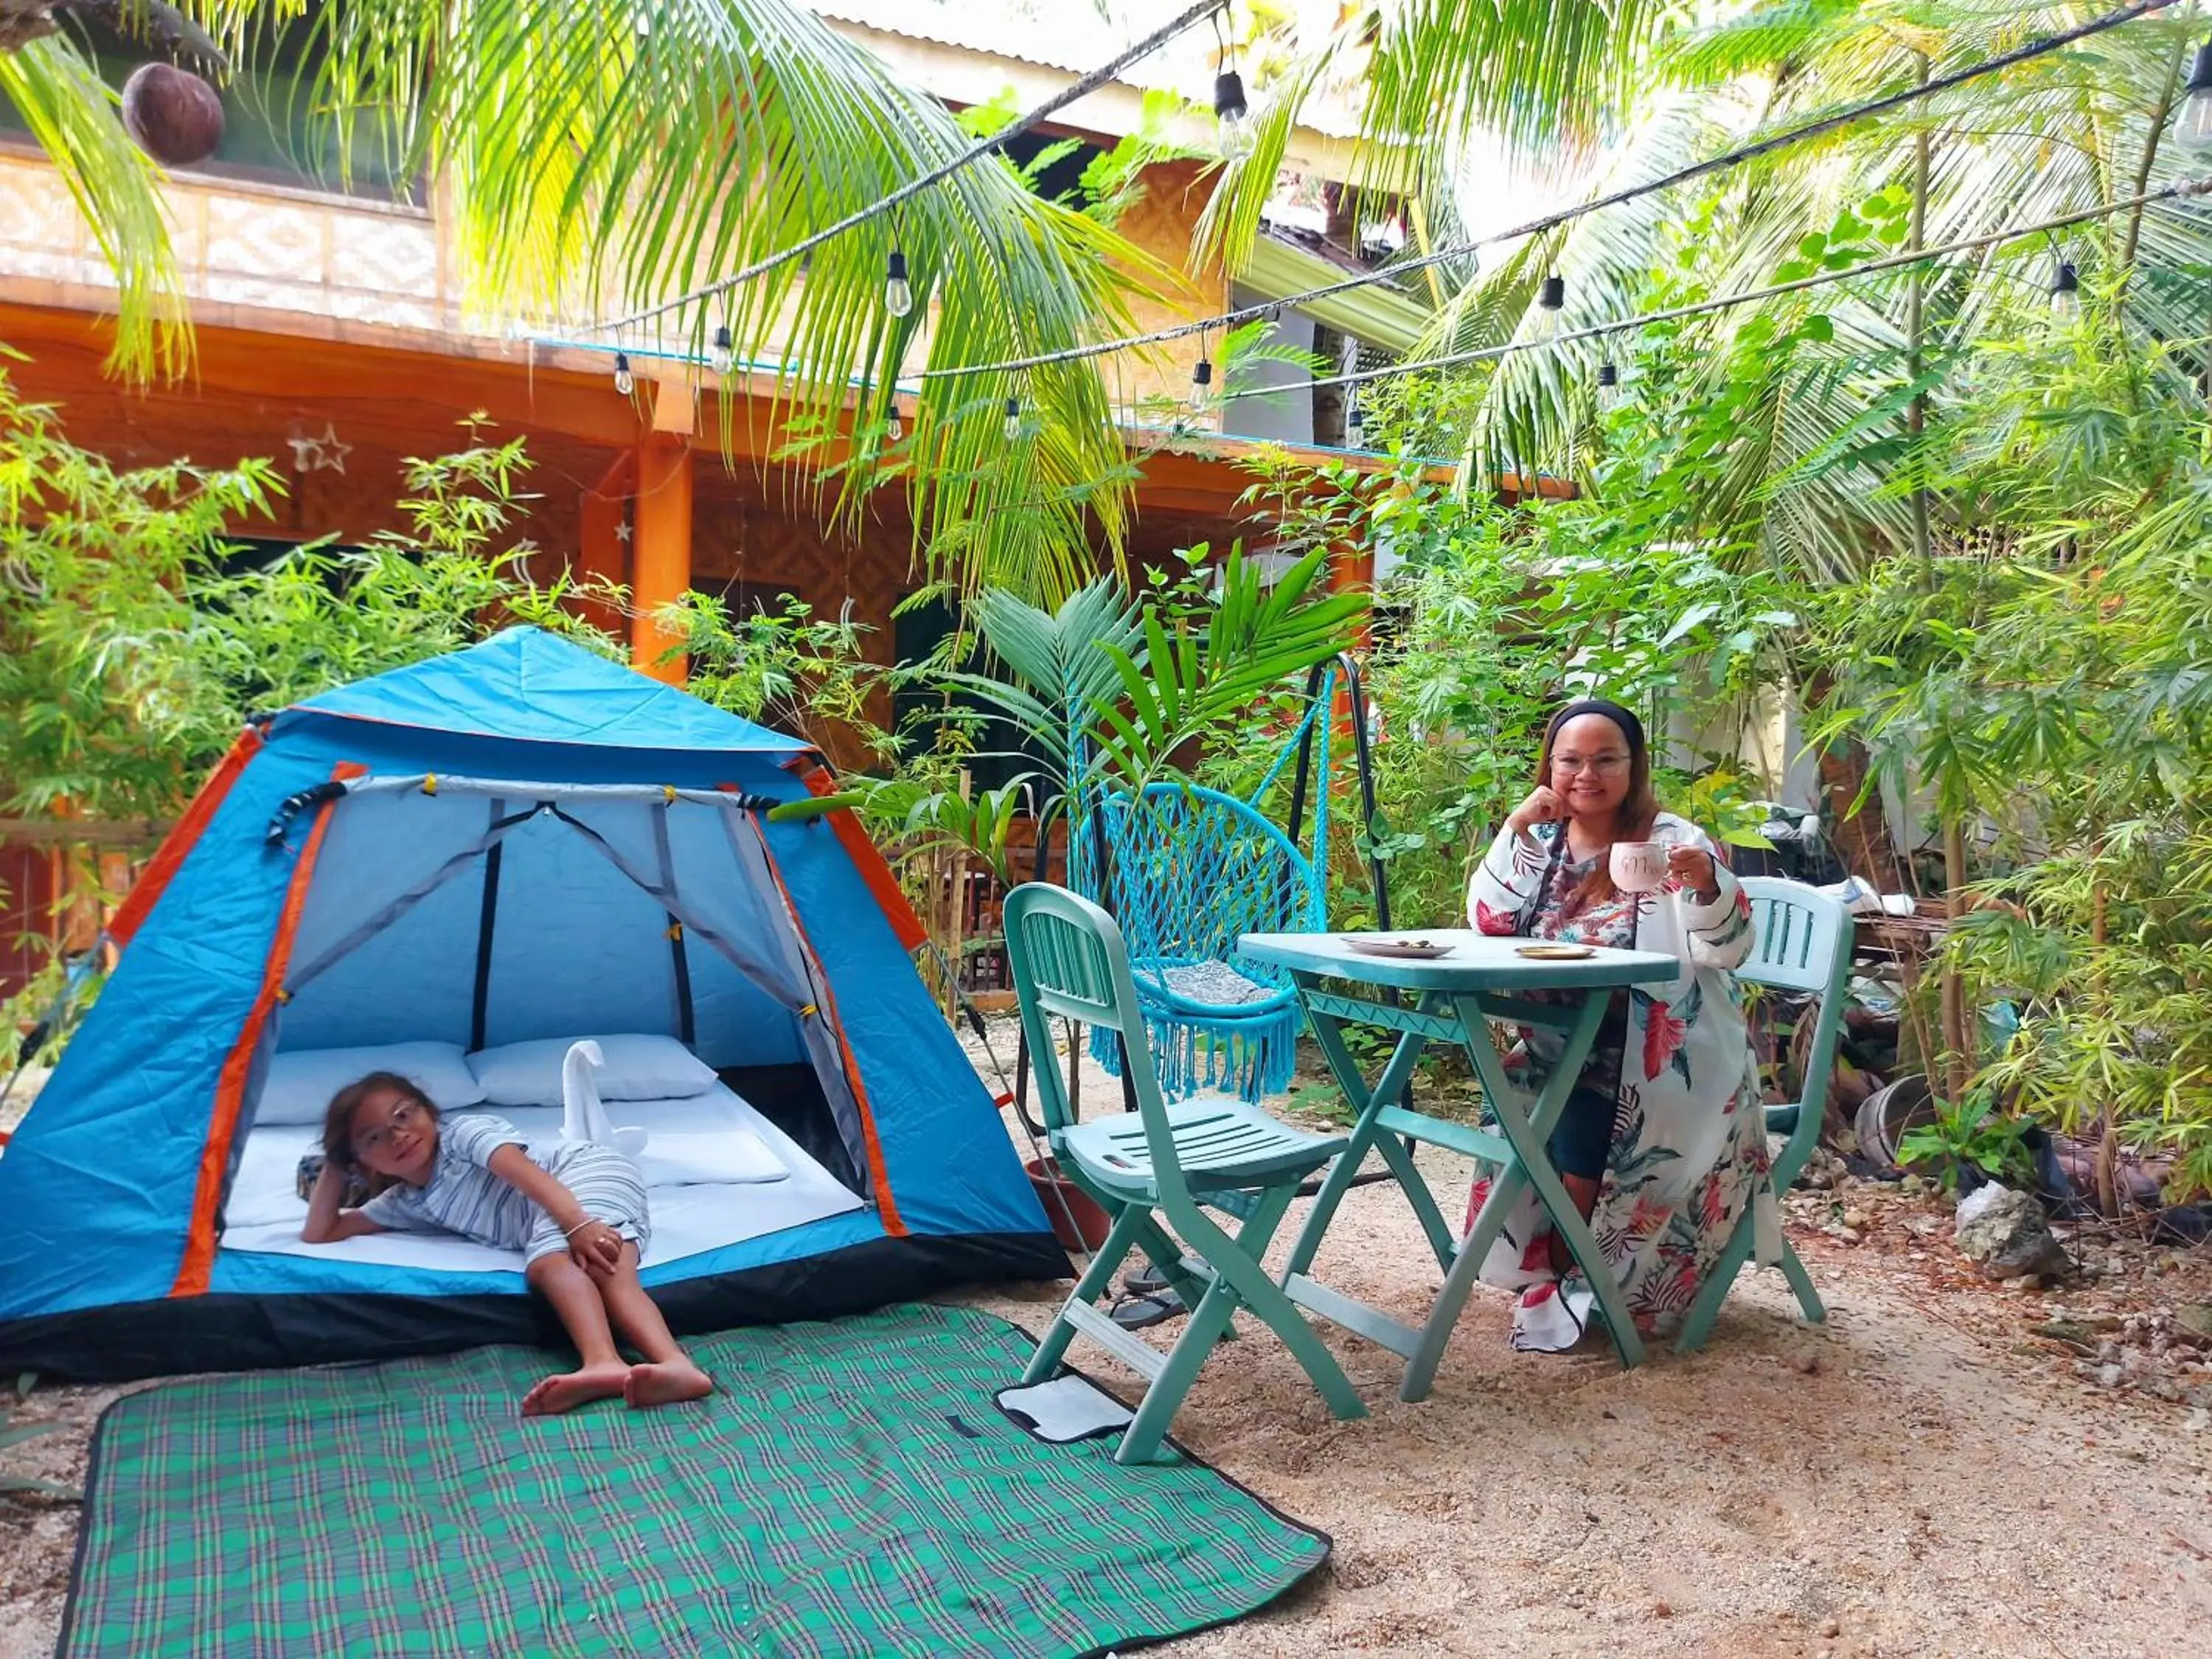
[{"x": 1072, "y": 36}]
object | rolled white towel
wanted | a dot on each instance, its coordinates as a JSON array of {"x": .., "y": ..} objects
[{"x": 583, "y": 1116}]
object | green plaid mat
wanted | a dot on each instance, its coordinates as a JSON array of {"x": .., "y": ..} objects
[{"x": 854, "y": 1489}]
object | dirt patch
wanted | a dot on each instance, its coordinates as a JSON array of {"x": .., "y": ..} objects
[{"x": 1925, "y": 1475}]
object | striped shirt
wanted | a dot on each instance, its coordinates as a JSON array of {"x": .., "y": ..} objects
[{"x": 462, "y": 1194}]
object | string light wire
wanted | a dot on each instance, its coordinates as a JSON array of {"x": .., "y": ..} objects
[
  {"x": 1749, "y": 296},
  {"x": 1228, "y": 319}
]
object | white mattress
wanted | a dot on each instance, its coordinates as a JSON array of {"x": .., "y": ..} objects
[{"x": 265, "y": 1212}]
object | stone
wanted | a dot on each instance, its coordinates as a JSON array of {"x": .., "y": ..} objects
[
  {"x": 2004, "y": 1232},
  {"x": 2196, "y": 1318},
  {"x": 1856, "y": 1220},
  {"x": 1830, "y": 1629},
  {"x": 2110, "y": 1376}
]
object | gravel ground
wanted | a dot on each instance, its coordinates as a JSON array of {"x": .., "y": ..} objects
[{"x": 1927, "y": 1475}]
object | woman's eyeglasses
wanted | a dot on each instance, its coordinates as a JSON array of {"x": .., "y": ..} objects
[
  {"x": 1604, "y": 765},
  {"x": 405, "y": 1115}
]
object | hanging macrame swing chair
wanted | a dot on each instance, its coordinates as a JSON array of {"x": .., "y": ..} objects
[{"x": 1187, "y": 871}]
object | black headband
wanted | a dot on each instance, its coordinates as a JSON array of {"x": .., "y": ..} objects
[{"x": 1631, "y": 727}]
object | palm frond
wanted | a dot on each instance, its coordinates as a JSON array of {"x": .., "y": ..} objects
[
  {"x": 598, "y": 158},
  {"x": 73, "y": 117}
]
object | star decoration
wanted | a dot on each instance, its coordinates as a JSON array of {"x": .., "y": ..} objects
[
  {"x": 622, "y": 531},
  {"x": 333, "y": 452},
  {"x": 324, "y": 453}
]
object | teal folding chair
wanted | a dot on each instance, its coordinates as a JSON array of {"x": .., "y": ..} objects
[
  {"x": 1158, "y": 1162},
  {"x": 1803, "y": 944}
]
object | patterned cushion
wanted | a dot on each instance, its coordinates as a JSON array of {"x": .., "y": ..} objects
[{"x": 1214, "y": 983}]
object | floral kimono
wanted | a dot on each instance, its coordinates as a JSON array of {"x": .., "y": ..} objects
[{"x": 1689, "y": 1134}]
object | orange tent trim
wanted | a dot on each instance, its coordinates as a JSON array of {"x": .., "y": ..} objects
[
  {"x": 183, "y": 834},
  {"x": 192, "y": 1273},
  {"x": 878, "y": 1171}
]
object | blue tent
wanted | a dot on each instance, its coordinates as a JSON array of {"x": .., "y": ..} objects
[{"x": 518, "y": 840}]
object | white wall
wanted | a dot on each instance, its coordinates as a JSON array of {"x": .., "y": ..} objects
[{"x": 1287, "y": 418}]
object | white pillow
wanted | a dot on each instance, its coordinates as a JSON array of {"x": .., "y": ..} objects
[
  {"x": 727, "y": 1157},
  {"x": 638, "y": 1067},
  {"x": 300, "y": 1086}
]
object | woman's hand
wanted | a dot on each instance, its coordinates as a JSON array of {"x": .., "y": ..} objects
[
  {"x": 1693, "y": 867},
  {"x": 596, "y": 1248},
  {"x": 1542, "y": 806}
]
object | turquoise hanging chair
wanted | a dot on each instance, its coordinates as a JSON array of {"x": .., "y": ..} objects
[{"x": 1189, "y": 870}]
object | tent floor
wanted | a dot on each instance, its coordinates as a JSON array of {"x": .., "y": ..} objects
[{"x": 229, "y": 1332}]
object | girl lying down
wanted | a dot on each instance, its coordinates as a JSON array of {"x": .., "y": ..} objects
[{"x": 578, "y": 1215}]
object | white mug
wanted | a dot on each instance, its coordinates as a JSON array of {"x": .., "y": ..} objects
[{"x": 1638, "y": 867}]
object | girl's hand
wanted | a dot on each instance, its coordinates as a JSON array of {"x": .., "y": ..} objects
[
  {"x": 597, "y": 1248},
  {"x": 1693, "y": 867},
  {"x": 1542, "y": 806}
]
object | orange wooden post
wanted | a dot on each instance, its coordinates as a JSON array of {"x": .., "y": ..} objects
[
  {"x": 603, "y": 539},
  {"x": 661, "y": 550}
]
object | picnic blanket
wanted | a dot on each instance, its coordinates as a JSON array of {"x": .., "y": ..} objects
[{"x": 852, "y": 1490}]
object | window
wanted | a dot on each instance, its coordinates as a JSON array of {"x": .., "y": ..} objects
[{"x": 269, "y": 134}]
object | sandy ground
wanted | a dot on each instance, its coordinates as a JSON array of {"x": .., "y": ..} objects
[{"x": 1924, "y": 1475}]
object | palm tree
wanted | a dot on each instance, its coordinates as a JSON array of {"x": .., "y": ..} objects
[
  {"x": 595, "y": 158},
  {"x": 1620, "y": 91}
]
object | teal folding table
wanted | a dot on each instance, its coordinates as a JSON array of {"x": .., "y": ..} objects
[{"x": 1450, "y": 998}]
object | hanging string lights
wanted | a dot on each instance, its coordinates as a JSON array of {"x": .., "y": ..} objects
[
  {"x": 1073, "y": 92},
  {"x": 2193, "y": 130},
  {"x": 722, "y": 356},
  {"x": 2193, "y": 123},
  {"x": 625, "y": 382},
  {"x": 1609, "y": 393},
  {"x": 1460, "y": 252},
  {"x": 1551, "y": 300},
  {"x": 2065, "y": 292},
  {"x": 895, "y": 428},
  {"x": 1232, "y": 117}
]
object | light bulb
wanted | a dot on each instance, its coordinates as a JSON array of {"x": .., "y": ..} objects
[
  {"x": 1232, "y": 117},
  {"x": 722, "y": 355},
  {"x": 1013, "y": 426},
  {"x": 1201, "y": 387},
  {"x": 625, "y": 382},
  {"x": 1551, "y": 297},
  {"x": 2192, "y": 126},
  {"x": 898, "y": 293},
  {"x": 2066, "y": 293},
  {"x": 1355, "y": 426},
  {"x": 895, "y": 427},
  {"x": 1608, "y": 387}
]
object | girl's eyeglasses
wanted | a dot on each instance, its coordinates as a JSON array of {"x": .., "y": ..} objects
[{"x": 405, "y": 1115}]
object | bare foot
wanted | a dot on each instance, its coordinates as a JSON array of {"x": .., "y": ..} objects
[
  {"x": 665, "y": 1383},
  {"x": 556, "y": 1394}
]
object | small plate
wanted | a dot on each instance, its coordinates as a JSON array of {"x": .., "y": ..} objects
[
  {"x": 1555, "y": 952},
  {"x": 1420, "y": 950}
]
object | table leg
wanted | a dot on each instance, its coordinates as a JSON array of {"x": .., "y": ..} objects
[
  {"x": 1526, "y": 1132},
  {"x": 1365, "y": 1101}
]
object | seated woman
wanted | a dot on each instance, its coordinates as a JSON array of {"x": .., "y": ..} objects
[{"x": 1663, "y": 1141}]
